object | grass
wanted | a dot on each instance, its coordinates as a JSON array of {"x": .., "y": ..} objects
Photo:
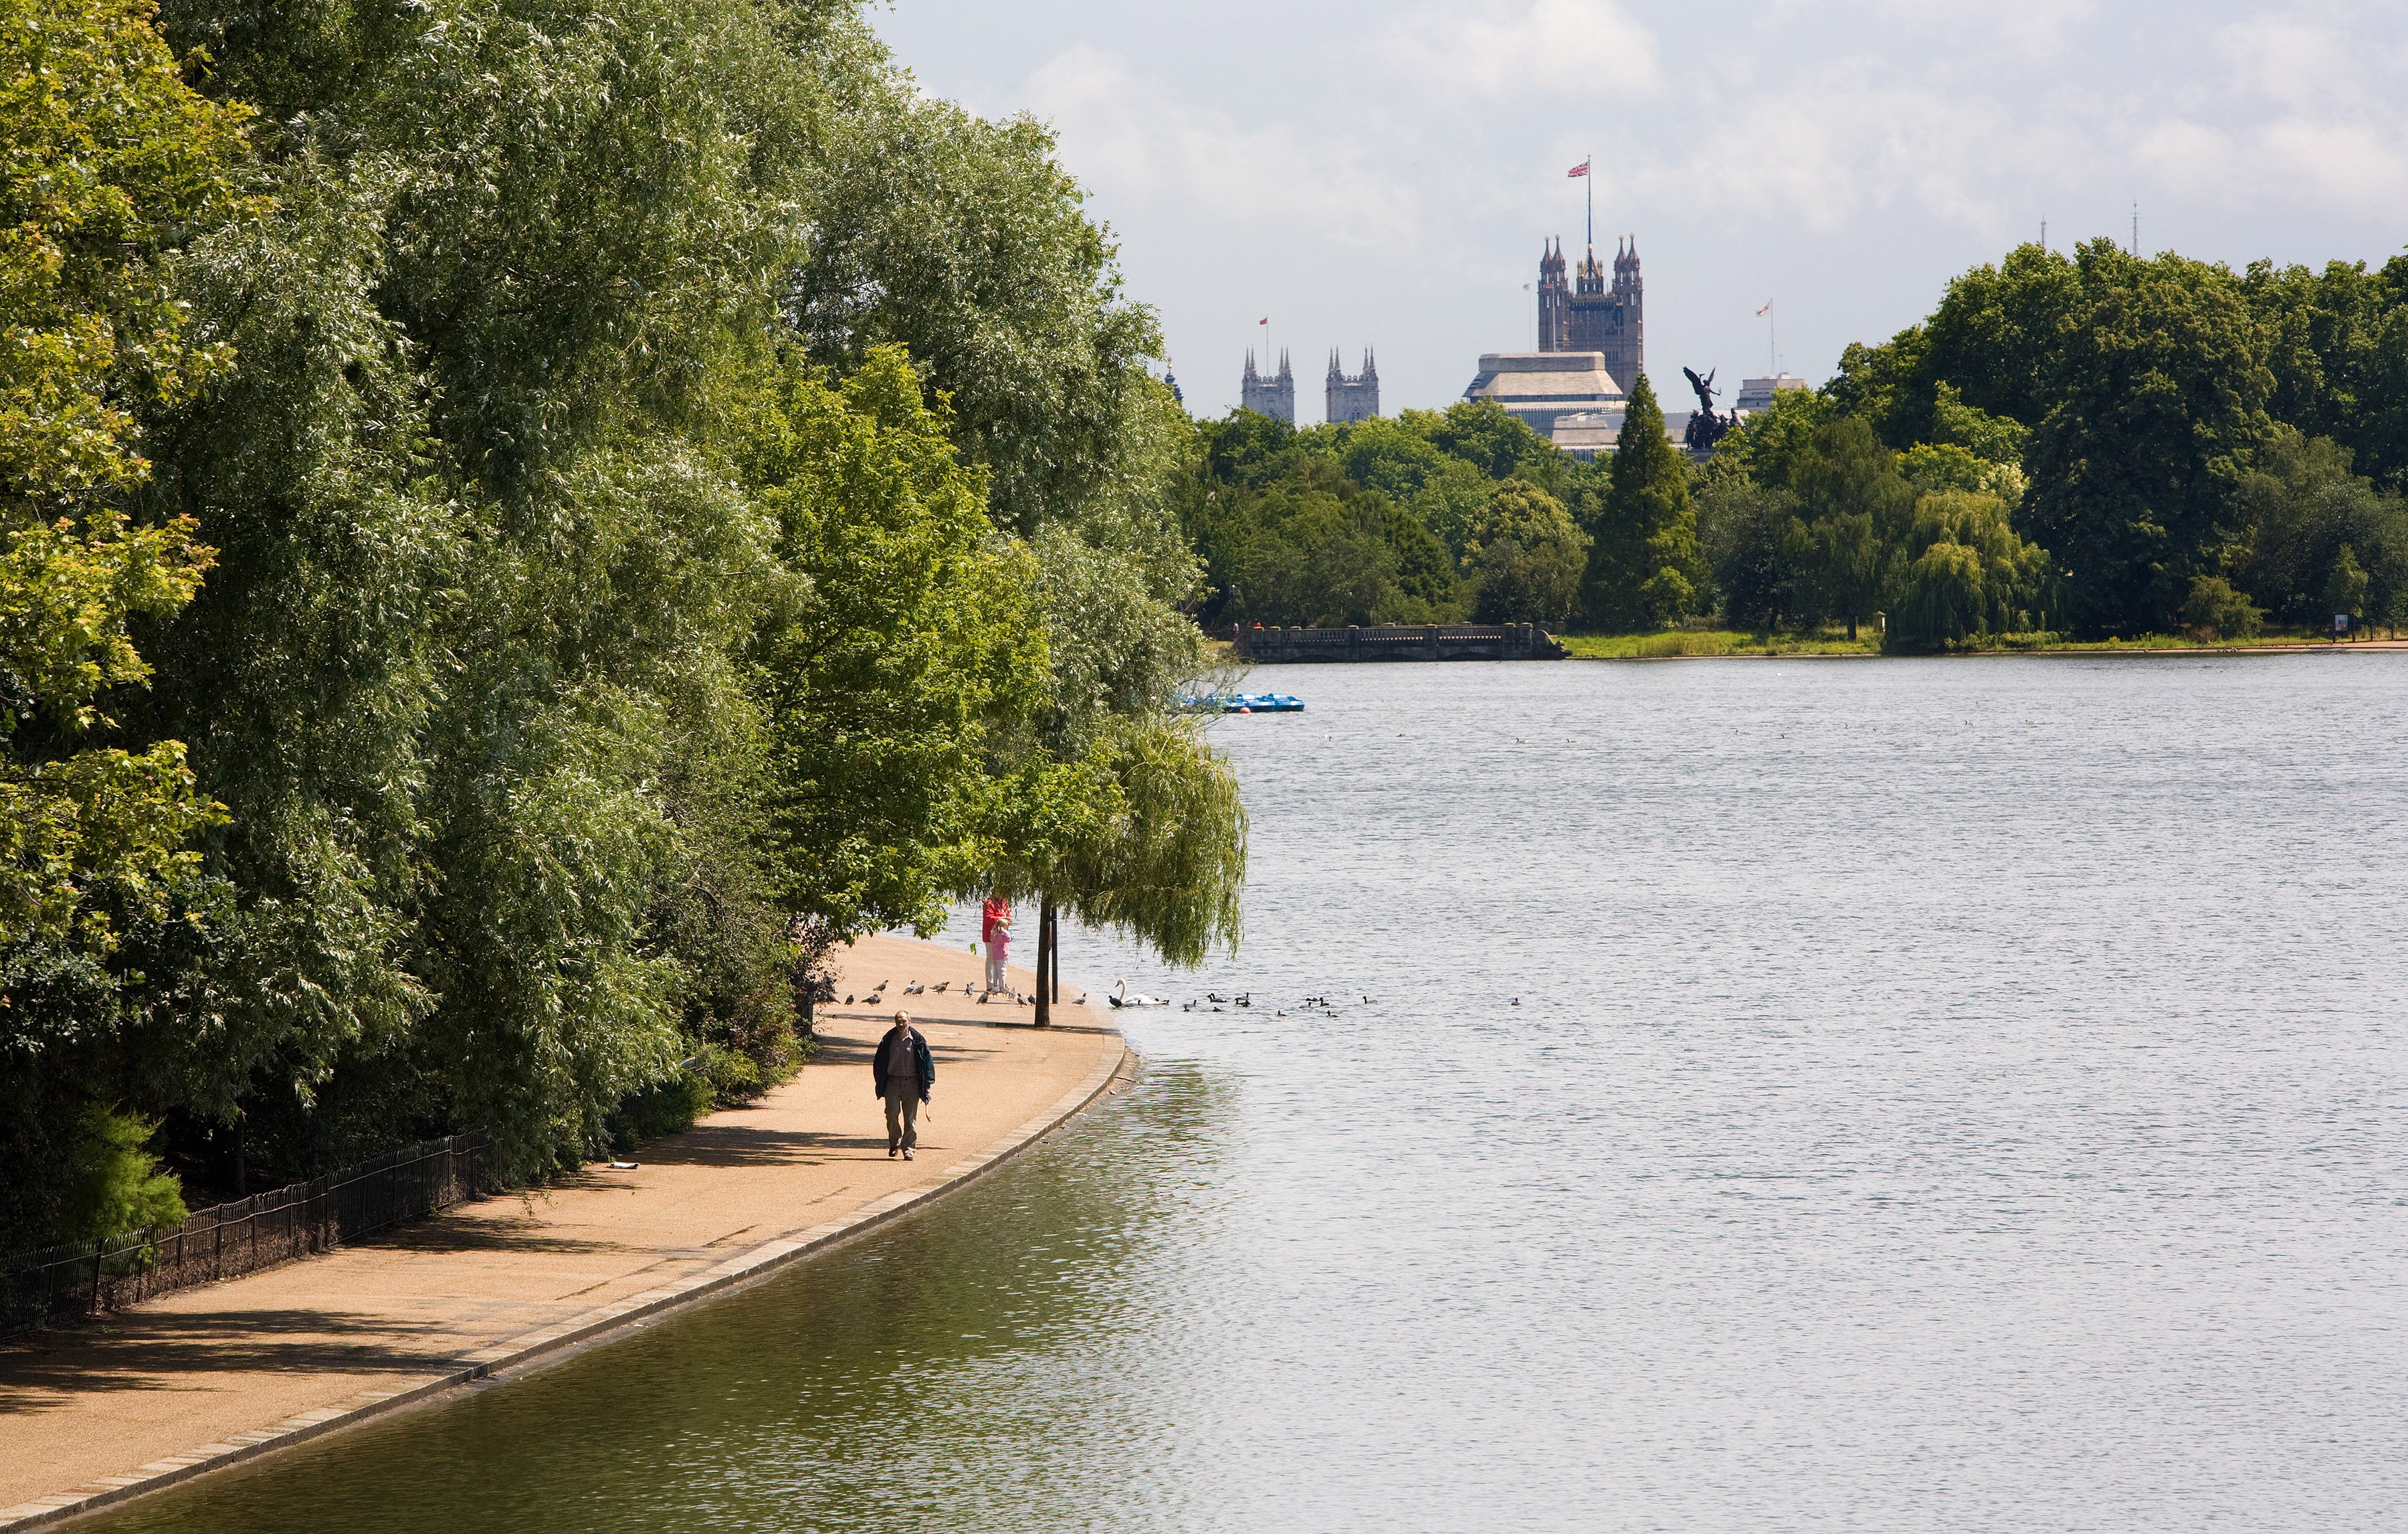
[
  {"x": 1715, "y": 641},
  {"x": 1676, "y": 643}
]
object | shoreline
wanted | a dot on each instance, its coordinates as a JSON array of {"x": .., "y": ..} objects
[
  {"x": 2362, "y": 647},
  {"x": 433, "y": 1307}
]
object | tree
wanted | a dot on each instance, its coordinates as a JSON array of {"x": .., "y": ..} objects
[
  {"x": 109, "y": 166},
  {"x": 906, "y": 632},
  {"x": 1758, "y": 551},
  {"x": 1856, "y": 505},
  {"x": 2214, "y": 610},
  {"x": 1524, "y": 557},
  {"x": 2346, "y": 588},
  {"x": 1645, "y": 566},
  {"x": 2302, "y": 504},
  {"x": 2159, "y": 397},
  {"x": 965, "y": 242}
]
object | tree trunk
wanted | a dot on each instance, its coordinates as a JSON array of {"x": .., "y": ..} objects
[
  {"x": 1045, "y": 959},
  {"x": 1852, "y": 628}
]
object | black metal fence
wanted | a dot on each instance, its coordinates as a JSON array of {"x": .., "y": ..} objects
[{"x": 85, "y": 1278}]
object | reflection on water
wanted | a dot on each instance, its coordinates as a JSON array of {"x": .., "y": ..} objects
[{"x": 1941, "y": 1096}]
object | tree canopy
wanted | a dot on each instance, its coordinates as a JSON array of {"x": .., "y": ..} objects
[{"x": 518, "y": 508}]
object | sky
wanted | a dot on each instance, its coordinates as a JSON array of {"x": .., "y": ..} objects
[{"x": 1382, "y": 172}]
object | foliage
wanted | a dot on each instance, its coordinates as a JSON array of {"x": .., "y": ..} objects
[
  {"x": 114, "y": 1184},
  {"x": 601, "y": 586},
  {"x": 966, "y": 243},
  {"x": 911, "y": 628},
  {"x": 1167, "y": 862},
  {"x": 2147, "y": 405},
  {"x": 1965, "y": 574},
  {"x": 2161, "y": 396},
  {"x": 2304, "y": 506},
  {"x": 2213, "y": 610},
  {"x": 1645, "y": 567},
  {"x": 1524, "y": 557}
]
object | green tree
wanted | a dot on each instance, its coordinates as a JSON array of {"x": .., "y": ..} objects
[
  {"x": 1856, "y": 505},
  {"x": 109, "y": 168},
  {"x": 2346, "y": 587},
  {"x": 2159, "y": 399},
  {"x": 2302, "y": 504},
  {"x": 1964, "y": 572},
  {"x": 2214, "y": 610},
  {"x": 1524, "y": 558},
  {"x": 1758, "y": 551},
  {"x": 1646, "y": 569}
]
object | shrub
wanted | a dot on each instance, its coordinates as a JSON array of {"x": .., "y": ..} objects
[
  {"x": 2213, "y": 610},
  {"x": 116, "y": 1186}
]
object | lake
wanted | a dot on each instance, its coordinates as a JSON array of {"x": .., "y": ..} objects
[{"x": 1754, "y": 1095}]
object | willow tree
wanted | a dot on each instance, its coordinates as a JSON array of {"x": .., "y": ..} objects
[{"x": 1119, "y": 811}]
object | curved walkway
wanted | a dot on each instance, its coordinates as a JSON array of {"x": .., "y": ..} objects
[{"x": 152, "y": 1395}]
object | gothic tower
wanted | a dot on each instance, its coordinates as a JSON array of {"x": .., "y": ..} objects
[
  {"x": 1585, "y": 314},
  {"x": 1555, "y": 300},
  {"x": 1269, "y": 393},
  {"x": 1351, "y": 399}
]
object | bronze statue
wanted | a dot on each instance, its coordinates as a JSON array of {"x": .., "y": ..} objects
[{"x": 1706, "y": 428}]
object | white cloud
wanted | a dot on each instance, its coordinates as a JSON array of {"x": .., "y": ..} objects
[
  {"x": 1139, "y": 141},
  {"x": 2311, "y": 117},
  {"x": 1508, "y": 48}
]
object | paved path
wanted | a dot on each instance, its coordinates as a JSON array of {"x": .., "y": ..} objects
[{"x": 153, "y": 1395}]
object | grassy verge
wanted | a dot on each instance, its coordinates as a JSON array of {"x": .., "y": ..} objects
[
  {"x": 1677, "y": 642},
  {"x": 1690, "y": 641}
]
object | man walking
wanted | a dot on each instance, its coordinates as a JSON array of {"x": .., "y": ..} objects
[{"x": 904, "y": 1074}]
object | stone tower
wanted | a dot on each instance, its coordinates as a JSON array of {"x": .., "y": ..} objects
[
  {"x": 1351, "y": 399},
  {"x": 1585, "y": 314},
  {"x": 1269, "y": 393}
]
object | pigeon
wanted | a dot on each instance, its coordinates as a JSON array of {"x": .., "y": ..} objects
[{"x": 940, "y": 986}]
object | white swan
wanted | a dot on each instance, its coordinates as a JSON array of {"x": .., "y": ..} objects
[{"x": 1119, "y": 997}]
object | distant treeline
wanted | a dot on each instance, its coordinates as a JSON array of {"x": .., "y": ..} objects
[
  {"x": 2096, "y": 444},
  {"x": 1433, "y": 517}
]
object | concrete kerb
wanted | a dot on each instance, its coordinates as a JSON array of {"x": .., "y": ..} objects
[{"x": 598, "y": 1326}]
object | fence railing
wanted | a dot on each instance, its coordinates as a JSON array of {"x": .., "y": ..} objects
[{"x": 85, "y": 1278}]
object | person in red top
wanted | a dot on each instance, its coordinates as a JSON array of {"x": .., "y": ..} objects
[{"x": 994, "y": 930}]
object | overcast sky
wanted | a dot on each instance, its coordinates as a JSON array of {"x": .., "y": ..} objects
[{"x": 1382, "y": 173}]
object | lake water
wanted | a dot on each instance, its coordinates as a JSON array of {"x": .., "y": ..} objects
[{"x": 1960, "y": 1095}]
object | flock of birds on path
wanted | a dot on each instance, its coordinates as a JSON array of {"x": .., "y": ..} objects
[{"x": 1119, "y": 997}]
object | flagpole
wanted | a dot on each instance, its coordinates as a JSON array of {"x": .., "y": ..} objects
[{"x": 1588, "y": 184}]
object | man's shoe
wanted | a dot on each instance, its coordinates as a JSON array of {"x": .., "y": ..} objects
[
  {"x": 890, "y": 1152},
  {"x": 906, "y": 1155}
]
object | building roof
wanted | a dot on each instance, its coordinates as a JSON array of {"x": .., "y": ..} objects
[{"x": 1542, "y": 387}]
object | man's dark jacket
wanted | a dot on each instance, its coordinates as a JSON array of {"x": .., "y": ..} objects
[{"x": 921, "y": 1060}]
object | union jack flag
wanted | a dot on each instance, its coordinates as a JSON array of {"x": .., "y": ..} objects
[{"x": 1581, "y": 169}]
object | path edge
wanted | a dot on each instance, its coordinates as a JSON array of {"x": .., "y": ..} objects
[{"x": 596, "y": 1327}]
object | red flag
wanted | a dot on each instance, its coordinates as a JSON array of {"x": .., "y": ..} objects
[{"x": 1581, "y": 169}]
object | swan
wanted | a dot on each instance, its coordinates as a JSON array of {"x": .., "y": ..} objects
[{"x": 1119, "y": 997}]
